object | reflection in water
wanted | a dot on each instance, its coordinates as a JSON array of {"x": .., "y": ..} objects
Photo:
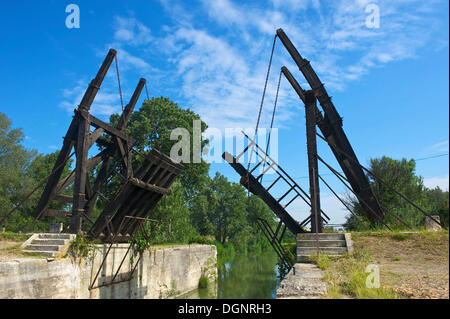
[
  {"x": 242, "y": 277},
  {"x": 248, "y": 277}
]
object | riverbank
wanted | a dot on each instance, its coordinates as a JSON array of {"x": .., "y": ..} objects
[{"x": 410, "y": 265}]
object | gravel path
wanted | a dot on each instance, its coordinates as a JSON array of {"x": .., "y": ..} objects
[{"x": 304, "y": 281}]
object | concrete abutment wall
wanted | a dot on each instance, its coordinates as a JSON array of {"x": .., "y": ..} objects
[{"x": 161, "y": 273}]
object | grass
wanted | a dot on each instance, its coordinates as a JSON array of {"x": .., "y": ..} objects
[
  {"x": 346, "y": 277},
  {"x": 412, "y": 262},
  {"x": 15, "y": 251},
  {"x": 171, "y": 245},
  {"x": 9, "y": 236}
]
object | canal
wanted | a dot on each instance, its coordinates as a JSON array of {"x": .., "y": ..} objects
[{"x": 243, "y": 276}]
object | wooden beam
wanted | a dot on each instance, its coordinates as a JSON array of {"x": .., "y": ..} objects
[
  {"x": 51, "y": 187},
  {"x": 130, "y": 106},
  {"x": 94, "y": 136},
  {"x": 64, "y": 198},
  {"x": 95, "y": 84},
  {"x": 57, "y": 213},
  {"x": 108, "y": 128},
  {"x": 256, "y": 188},
  {"x": 92, "y": 162},
  {"x": 79, "y": 187},
  {"x": 314, "y": 191},
  {"x": 150, "y": 187}
]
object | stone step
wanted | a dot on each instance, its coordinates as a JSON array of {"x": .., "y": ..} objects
[
  {"x": 306, "y": 258},
  {"x": 322, "y": 236},
  {"x": 60, "y": 242},
  {"x": 56, "y": 236},
  {"x": 322, "y": 243},
  {"x": 43, "y": 253},
  {"x": 323, "y": 250},
  {"x": 55, "y": 248}
]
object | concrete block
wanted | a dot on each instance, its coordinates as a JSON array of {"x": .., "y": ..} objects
[
  {"x": 56, "y": 228},
  {"x": 431, "y": 225}
]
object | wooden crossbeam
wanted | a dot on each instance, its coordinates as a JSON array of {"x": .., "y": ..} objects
[
  {"x": 57, "y": 213},
  {"x": 150, "y": 187},
  {"x": 64, "y": 198},
  {"x": 96, "y": 122},
  {"x": 253, "y": 185}
]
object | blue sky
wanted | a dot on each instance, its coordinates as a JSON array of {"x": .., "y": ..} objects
[{"x": 390, "y": 83}]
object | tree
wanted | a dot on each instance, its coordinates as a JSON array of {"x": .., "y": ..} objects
[
  {"x": 152, "y": 125},
  {"x": 224, "y": 211},
  {"x": 400, "y": 175},
  {"x": 172, "y": 214},
  {"x": 14, "y": 161},
  {"x": 21, "y": 170}
]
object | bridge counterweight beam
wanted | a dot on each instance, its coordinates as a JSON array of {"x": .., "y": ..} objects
[{"x": 310, "y": 107}]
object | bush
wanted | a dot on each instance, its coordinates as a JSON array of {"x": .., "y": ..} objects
[
  {"x": 197, "y": 239},
  {"x": 203, "y": 282}
]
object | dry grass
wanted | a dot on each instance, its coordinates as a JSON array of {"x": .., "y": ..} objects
[
  {"x": 10, "y": 250},
  {"x": 10, "y": 247},
  {"x": 411, "y": 264},
  {"x": 414, "y": 264}
]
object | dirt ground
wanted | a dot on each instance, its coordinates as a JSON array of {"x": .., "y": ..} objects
[
  {"x": 9, "y": 250},
  {"x": 415, "y": 265}
]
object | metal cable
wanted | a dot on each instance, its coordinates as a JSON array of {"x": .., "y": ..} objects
[
  {"x": 271, "y": 123},
  {"x": 118, "y": 80},
  {"x": 259, "y": 115},
  {"x": 381, "y": 180}
]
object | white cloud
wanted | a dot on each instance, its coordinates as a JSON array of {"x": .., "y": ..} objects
[
  {"x": 131, "y": 31},
  {"x": 437, "y": 181},
  {"x": 218, "y": 64},
  {"x": 440, "y": 147},
  {"x": 128, "y": 61},
  {"x": 222, "y": 72},
  {"x": 106, "y": 102}
]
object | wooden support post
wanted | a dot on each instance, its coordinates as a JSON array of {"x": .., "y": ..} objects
[
  {"x": 79, "y": 187},
  {"x": 310, "y": 106}
]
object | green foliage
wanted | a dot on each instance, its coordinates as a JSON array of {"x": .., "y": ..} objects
[
  {"x": 14, "y": 163},
  {"x": 82, "y": 247},
  {"x": 323, "y": 261},
  {"x": 172, "y": 213},
  {"x": 9, "y": 236},
  {"x": 400, "y": 236},
  {"x": 224, "y": 211},
  {"x": 21, "y": 170},
  {"x": 203, "y": 282},
  {"x": 152, "y": 125},
  {"x": 172, "y": 292},
  {"x": 140, "y": 244},
  {"x": 198, "y": 239},
  {"x": 401, "y": 175},
  {"x": 346, "y": 276}
]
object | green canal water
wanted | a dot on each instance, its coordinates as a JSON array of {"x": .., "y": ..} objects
[{"x": 242, "y": 276}]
